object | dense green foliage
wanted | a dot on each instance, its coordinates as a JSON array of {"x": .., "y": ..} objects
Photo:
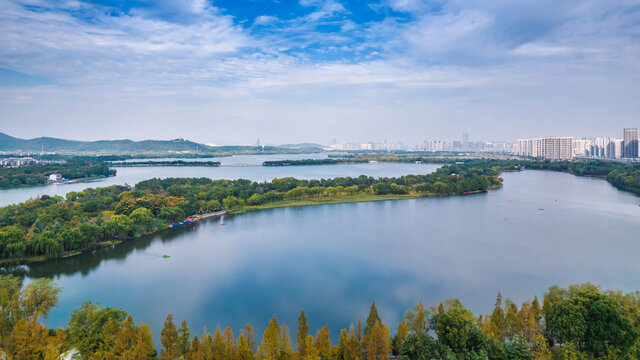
[
  {"x": 313, "y": 162},
  {"x": 51, "y": 226},
  {"x": 622, "y": 175},
  {"x": 608, "y": 329},
  {"x": 74, "y": 168}
]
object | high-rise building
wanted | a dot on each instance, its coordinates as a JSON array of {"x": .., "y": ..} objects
[
  {"x": 552, "y": 147},
  {"x": 603, "y": 147},
  {"x": 630, "y": 143},
  {"x": 465, "y": 140},
  {"x": 618, "y": 149},
  {"x": 581, "y": 147}
]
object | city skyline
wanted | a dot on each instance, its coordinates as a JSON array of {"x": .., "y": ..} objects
[{"x": 311, "y": 70}]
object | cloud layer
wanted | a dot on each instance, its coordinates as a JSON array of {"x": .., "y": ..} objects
[{"x": 399, "y": 69}]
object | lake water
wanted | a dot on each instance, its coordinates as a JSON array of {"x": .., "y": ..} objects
[
  {"x": 132, "y": 175},
  {"x": 333, "y": 260}
]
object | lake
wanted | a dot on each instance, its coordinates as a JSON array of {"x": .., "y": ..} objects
[
  {"x": 132, "y": 175},
  {"x": 540, "y": 229}
]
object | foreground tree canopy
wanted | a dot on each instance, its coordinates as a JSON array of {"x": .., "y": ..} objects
[{"x": 580, "y": 322}]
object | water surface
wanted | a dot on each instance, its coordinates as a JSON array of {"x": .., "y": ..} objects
[
  {"x": 133, "y": 175},
  {"x": 333, "y": 260}
]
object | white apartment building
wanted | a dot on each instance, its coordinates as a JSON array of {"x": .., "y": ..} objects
[
  {"x": 552, "y": 147},
  {"x": 581, "y": 147},
  {"x": 604, "y": 147}
]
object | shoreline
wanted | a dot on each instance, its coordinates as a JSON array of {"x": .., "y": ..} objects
[
  {"x": 347, "y": 199},
  {"x": 71, "y": 181}
]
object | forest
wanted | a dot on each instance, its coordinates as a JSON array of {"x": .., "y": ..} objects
[
  {"x": 574, "y": 323},
  {"x": 49, "y": 227},
  {"x": 74, "y": 168}
]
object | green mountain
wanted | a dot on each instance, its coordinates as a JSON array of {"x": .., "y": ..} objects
[{"x": 121, "y": 147}]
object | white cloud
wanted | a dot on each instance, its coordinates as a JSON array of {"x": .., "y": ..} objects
[{"x": 436, "y": 73}]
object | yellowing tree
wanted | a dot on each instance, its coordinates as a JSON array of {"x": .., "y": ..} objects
[
  {"x": 270, "y": 347},
  {"x": 323, "y": 343},
  {"x": 27, "y": 341},
  {"x": 169, "y": 339},
  {"x": 377, "y": 342}
]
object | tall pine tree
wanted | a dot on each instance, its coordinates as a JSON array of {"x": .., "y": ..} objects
[
  {"x": 301, "y": 336},
  {"x": 372, "y": 319}
]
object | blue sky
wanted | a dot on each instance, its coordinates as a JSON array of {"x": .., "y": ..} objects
[{"x": 229, "y": 71}]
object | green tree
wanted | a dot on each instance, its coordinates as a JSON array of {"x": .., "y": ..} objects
[
  {"x": 184, "y": 340},
  {"x": 593, "y": 320},
  {"x": 301, "y": 335},
  {"x": 453, "y": 323},
  {"x": 541, "y": 348},
  {"x": 497, "y": 321},
  {"x": 38, "y": 298},
  {"x": 270, "y": 347},
  {"x": 417, "y": 318},
  {"x": 372, "y": 318},
  {"x": 92, "y": 330},
  {"x": 518, "y": 349},
  {"x": 169, "y": 339},
  {"x": 141, "y": 216}
]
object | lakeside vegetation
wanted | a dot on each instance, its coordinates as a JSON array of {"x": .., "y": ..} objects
[
  {"x": 624, "y": 176},
  {"x": 73, "y": 168},
  {"x": 164, "y": 163},
  {"x": 302, "y": 162},
  {"x": 54, "y": 226},
  {"x": 579, "y": 322}
]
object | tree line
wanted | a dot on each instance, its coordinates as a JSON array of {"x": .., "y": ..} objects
[
  {"x": 331, "y": 161},
  {"x": 164, "y": 163},
  {"x": 624, "y": 176},
  {"x": 50, "y": 226},
  {"x": 74, "y": 168},
  {"x": 578, "y": 322}
]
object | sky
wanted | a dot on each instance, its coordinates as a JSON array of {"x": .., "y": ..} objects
[{"x": 232, "y": 71}]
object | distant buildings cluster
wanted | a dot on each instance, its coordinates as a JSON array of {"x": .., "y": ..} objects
[
  {"x": 567, "y": 148},
  {"x": 27, "y": 160},
  {"x": 550, "y": 147},
  {"x": 17, "y": 161},
  {"x": 465, "y": 145},
  {"x": 388, "y": 146}
]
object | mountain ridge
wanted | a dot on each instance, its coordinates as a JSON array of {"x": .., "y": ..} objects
[{"x": 9, "y": 143}]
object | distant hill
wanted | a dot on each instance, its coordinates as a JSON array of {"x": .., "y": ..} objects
[{"x": 118, "y": 147}]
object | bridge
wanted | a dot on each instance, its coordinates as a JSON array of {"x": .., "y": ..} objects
[{"x": 240, "y": 165}]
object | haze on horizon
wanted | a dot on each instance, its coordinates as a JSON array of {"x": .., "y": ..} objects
[{"x": 230, "y": 71}]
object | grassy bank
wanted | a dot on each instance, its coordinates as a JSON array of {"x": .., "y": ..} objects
[{"x": 342, "y": 200}]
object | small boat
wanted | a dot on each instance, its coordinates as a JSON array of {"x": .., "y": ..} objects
[
  {"x": 166, "y": 256},
  {"x": 540, "y": 209}
]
